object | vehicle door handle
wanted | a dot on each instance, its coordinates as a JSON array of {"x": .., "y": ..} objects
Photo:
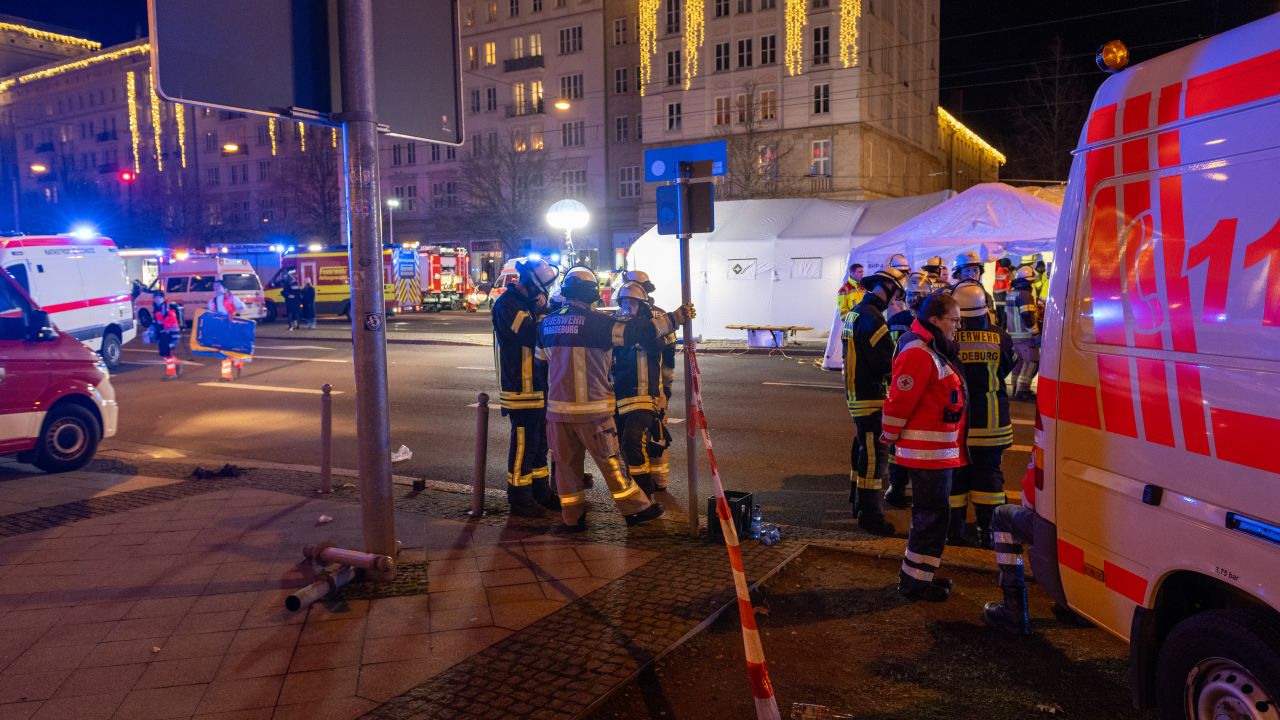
[{"x": 1, "y": 374}]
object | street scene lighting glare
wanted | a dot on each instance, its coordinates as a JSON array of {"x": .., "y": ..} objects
[
  {"x": 315, "y": 247},
  {"x": 562, "y": 104},
  {"x": 39, "y": 167},
  {"x": 568, "y": 215},
  {"x": 393, "y": 203},
  {"x": 230, "y": 147},
  {"x": 84, "y": 232}
]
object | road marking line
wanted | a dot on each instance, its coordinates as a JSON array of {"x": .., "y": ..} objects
[
  {"x": 1020, "y": 421},
  {"x": 265, "y": 388},
  {"x": 192, "y": 363},
  {"x": 813, "y": 385},
  {"x": 472, "y": 367},
  {"x": 674, "y": 421},
  {"x": 491, "y": 407},
  {"x": 300, "y": 359},
  {"x": 295, "y": 347}
]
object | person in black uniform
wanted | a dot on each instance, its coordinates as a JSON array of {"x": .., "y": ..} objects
[
  {"x": 523, "y": 388},
  {"x": 637, "y": 385},
  {"x": 986, "y": 355},
  {"x": 868, "y": 361}
]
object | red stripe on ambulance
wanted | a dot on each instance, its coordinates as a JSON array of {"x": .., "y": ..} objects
[
  {"x": 82, "y": 304},
  {"x": 1243, "y": 82},
  {"x": 1128, "y": 584},
  {"x": 1117, "y": 395}
]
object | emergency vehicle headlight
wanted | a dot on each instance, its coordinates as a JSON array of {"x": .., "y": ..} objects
[
  {"x": 84, "y": 232},
  {"x": 1113, "y": 57}
]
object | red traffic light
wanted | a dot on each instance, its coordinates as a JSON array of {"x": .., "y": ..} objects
[{"x": 128, "y": 176}]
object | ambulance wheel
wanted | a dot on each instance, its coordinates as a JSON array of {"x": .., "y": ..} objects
[
  {"x": 1220, "y": 664},
  {"x": 110, "y": 352},
  {"x": 67, "y": 440},
  {"x": 270, "y": 317},
  {"x": 144, "y": 318}
]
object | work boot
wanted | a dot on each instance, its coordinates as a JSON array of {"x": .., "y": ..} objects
[
  {"x": 929, "y": 592},
  {"x": 986, "y": 540},
  {"x": 588, "y": 481},
  {"x": 1010, "y": 615},
  {"x": 870, "y": 515},
  {"x": 574, "y": 529},
  {"x": 650, "y": 513},
  {"x": 544, "y": 495},
  {"x": 520, "y": 499},
  {"x": 855, "y": 498},
  {"x": 645, "y": 483}
]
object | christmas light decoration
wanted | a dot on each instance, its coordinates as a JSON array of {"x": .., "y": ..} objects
[
  {"x": 131, "y": 95},
  {"x": 155, "y": 124},
  {"x": 81, "y": 63},
  {"x": 302, "y": 137},
  {"x": 333, "y": 137},
  {"x": 695, "y": 17},
  {"x": 797, "y": 16},
  {"x": 648, "y": 22},
  {"x": 948, "y": 122},
  {"x": 53, "y": 37},
  {"x": 271, "y": 130},
  {"x": 850, "y": 11},
  {"x": 180, "y": 115}
]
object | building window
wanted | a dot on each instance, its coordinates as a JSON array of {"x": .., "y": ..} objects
[
  {"x": 673, "y": 116},
  {"x": 620, "y": 31},
  {"x": 768, "y": 49},
  {"x": 620, "y": 85},
  {"x": 517, "y": 47},
  {"x": 722, "y": 8},
  {"x": 723, "y": 115},
  {"x": 819, "y": 4},
  {"x": 213, "y": 177},
  {"x": 571, "y": 87},
  {"x": 574, "y": 183},
  {"x": 674, "y": 68},
  {"x": 821, "y": 45},
  {"x": 443, "y": 194},
  {"x": 768, "y": 4},
  {"x": 745, "y": 55},
  {"x": 821, "y": 158},
  {"x": 746, "y": 112},
  {"x": 264, "y": 170},
  {"x": 264, "y": 137},
  {"x": 210, "y": 141},
  {"x": 821, "y": 98},
  {"x": 722, "y": 57},
  {"x": 573, "y": 134},
  {"x": 535, "y": 93},
  {"x": 477, "y": 144},
  {"x": 451, "y": 153},
  {"x": 535, "y": 139},
  {"x": 411, "y": 153},
  {"x": 629, "y": 181},
  {"x": 490, "y": 54},
  {"x": 639, "y": 128},
  {"x": 673, "y": 16},
  {"x": 435, "y": 152},
  {"x": 537, "y": 6},
  {"x": 491, "y": 99},
  {"x": 469, "y": 16},
  {"x": 744, "y": 6},
  {"x": 395, "y": 154},
  {"x": 571, "y": 40},
  {"x": 518, "y": 98},
  {"x": 239, "y": 174},
  {"x": 769, "y": 105},
  {"x": 492, "y": 10},
  {"x": 475, "y": 101},
  {"x": 410, "y": 197},
  {"x": 621, "y": 130},
  {"x": 513, "y": 9},
  {"x": 473, "y": 58},
  {"x": 535, "y": 44}
]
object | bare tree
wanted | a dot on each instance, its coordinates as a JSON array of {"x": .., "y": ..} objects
[
  {"x": 503, "y": 190},
  {"x": 310, "y": 184},
  {"x": 1050, "y": 110},
  {"x": 756, "y": 153}
]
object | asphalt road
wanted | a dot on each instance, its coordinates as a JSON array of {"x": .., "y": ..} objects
[{"x": 779, "y": 426}]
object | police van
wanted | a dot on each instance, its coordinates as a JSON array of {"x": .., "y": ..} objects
[
  {"x": 80, "y": 281},
  {"x": 1156, "y": 467}
]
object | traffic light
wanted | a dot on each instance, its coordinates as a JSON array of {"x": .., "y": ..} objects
[{"x": 128, "y": 176}]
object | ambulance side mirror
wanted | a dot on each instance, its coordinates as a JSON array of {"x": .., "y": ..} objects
[{"x": 39, "y": 328}]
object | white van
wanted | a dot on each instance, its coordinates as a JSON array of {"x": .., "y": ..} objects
[
  {"x": 1157, "y": 474},
  {"x": 188, "y": 284},
  {"x": 80, "y": 282}
]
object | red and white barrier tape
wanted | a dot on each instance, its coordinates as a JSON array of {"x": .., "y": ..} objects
[{"x": 757, "y": 671}]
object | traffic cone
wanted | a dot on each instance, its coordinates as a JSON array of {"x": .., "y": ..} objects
[
  {"x": 239, "y": 366},
  {"x": 170, "y": 367},
  {"x": 226, "y": 370}
]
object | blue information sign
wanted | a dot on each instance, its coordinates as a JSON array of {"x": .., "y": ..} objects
[{"x": 663, "y": 164}]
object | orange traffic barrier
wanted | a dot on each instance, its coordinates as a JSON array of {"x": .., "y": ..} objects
[{"x": 170, "y": 367}]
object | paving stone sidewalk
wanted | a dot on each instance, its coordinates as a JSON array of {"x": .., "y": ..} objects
[{"x": 132, "y": 591}]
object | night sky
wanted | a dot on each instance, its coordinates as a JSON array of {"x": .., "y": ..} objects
[{"x": 988, "y": 46}]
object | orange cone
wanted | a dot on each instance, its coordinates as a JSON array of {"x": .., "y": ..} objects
[
  {"x": 226, "y": 370},
  {"x": 170, "y": 367}
]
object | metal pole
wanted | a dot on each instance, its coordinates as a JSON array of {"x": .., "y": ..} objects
[
  {"x": 682, "y": 182},
  {"x": 326, "y": 438},
  {"x": 482, "y": 456},
  {"x": 391, "y": 225},
  {"x": 368, "y": 326}
]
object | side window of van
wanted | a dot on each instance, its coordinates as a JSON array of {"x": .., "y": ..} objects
[
  {"x": 175, "y": 285},
  {"x": 201, "y": 283},
  {"x": 19, "y": 273},
  {"x": 12, "y": 325}
]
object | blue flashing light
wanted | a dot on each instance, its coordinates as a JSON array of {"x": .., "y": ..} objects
[
  {"x": 555, "y": 258},
  {"x": 1251, "y": 526},
  {"x": 535, "y": 256},
  {"x": 84, "y": 231}
]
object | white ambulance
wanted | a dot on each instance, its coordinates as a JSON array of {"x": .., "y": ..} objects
[
  {"x": 188, "y": 284},
  {"x": 1157, "y": 481},
  {"x": 80, "y": 281}
]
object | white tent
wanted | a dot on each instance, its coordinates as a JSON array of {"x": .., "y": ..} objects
[
  {"x": 993, "y": 218},
  {"x": 768, "y": 262}
]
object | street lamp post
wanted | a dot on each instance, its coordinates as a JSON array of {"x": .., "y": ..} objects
[
  {"x": 568, "y": 215},
  {"x": 392, "y": 204}
]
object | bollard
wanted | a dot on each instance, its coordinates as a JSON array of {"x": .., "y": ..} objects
[
  {"x": 333, "y": 577},
  {"x": 327, "y": 553},
  {"x": 482, "y": 456},
  {"x": 326, "y": 438}
]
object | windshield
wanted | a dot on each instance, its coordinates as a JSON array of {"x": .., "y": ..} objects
[{"x": 241, "y": 281}]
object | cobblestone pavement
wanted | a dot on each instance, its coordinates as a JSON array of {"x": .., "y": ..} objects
[{"x": 133, "y": 592}]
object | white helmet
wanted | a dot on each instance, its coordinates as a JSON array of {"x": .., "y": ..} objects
[
  {"x": 580, "y": 284},
  {"x": 538, "y": 274},
  {"x": 934, "y": 262},
  {"x": 639, "y": 276},
  {"x": 630, "y": 291},
  {"x": 1026, "y": 272},
  {"x": 966, "y": 259},
  {"x": 898, "y": 261},
  {"x": 972, "y": 299}
]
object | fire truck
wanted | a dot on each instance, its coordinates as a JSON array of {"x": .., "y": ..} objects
[
  {"x": 446, "y": 278},
  {"x": 1156, "y": 474},
  {"x": 329, "y": 271}
]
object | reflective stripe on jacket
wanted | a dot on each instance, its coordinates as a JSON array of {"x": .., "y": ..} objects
[
  {"x": 924, "y": 413},
  {"x": 522, "y": 378},
  {"x": 868, "y": 356},
  {"x": 1020, "y": 311}
]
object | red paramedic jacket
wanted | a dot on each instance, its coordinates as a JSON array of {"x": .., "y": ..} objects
[{"x": 924, "y": 413}]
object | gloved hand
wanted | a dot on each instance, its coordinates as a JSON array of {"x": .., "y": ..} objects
[{"x": 684, "y": 314}]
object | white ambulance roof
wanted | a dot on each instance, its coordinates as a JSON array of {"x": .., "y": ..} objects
[
  {"x": 205, "y": 264},
  {"x": 21, "y": 241}
]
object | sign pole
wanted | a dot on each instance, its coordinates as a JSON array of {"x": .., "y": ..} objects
[
  {"x": 368, "y": 324},
  {"x": 682, "y": 184}
]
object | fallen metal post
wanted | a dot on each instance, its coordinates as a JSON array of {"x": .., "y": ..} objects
[
  {"x": 326, "y": 438},
  {"x": 482, "y": 456},
  {"x": 355, "y": 558},
  {"x": 333, "y": 577}
]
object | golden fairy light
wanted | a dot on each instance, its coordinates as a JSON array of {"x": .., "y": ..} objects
[
  {"x": 948, "y": 122},
  {"x": 81, "y": 63},
  {"x": 693, "y": 37},
  {"x": 131, "y": 94},
  {"x": 271, "y": 130},
  {"x": 333, "y": 137},
  {"x": 797, "y": 16},
  {"x": 648, "y": 40},
  {"x": 50, "y": 36},
  {"x": 302, "y": 137},
  {"x": 850, "y": 11},
  {"x": 180, "y": 116},
  {"x": 155, "y": 124}
]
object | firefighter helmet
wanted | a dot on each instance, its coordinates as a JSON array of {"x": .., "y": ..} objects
[
  {"x": 630, "y": 291},
  {"x": 972, "y": 299},
  {"x": 918, "y": 286},
  {"x": 898, "y": 261},
  {"x": 969, "y": 258},
  {"x": 1026, "y": 272},
  {"x": 537, "y": 274},
  {"x": 893, "y": 278},
  {"x": 639, "y": 276},
  {"x": 933, "y": 262},
  {"x": 580, "y": 284}
]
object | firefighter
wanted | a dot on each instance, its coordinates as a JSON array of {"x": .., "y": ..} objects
[
  {"x": 918, "y": 288},
  {"x": 986, "y": 356},
  {"x": 522, "y": 390},
  {"x": 637, "y": 385},
  {"x": 968, "y": 269},
  {"x": 1013, "y": 527},
  {"x": 898, "y": 262},
  {"x": 168, "y": 332},
  {"x": 850, "y": 293},
  {"x": 924, "y": 416},
  {"x": 1021, "y": 320},
  {"x": 659, "y": 436},
  {"x": 933, "y": 268},
  {"x": 578, "y": 343},
  {"x": 1000, "y": 288},
  {"x": 868, "y": 359}
]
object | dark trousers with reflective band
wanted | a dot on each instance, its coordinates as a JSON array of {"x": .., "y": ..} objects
[
  {"x": 980, "y": 482},
  {"x": 571, "y": 442},
  {"x": 929, "y": 518},
  {"x": 1028, "y": 364},
  {"x": 527, "y": 453},
  {"x": 1011, "y": 527},
  {"x": 869, "y": 456},
  {"x": 896, "y": 474},
  {"x": 633, "y": 433}
]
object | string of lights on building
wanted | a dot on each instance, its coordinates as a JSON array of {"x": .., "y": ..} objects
[
  {"x": 51, "y": 36},
  {"x": 694, "y": 35},
  {"x": 850, "y": 11},
  {"x": 796, "y": 17},
  {"x": 947, "y": 121},
  {"x": 131, "y": 95}
]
